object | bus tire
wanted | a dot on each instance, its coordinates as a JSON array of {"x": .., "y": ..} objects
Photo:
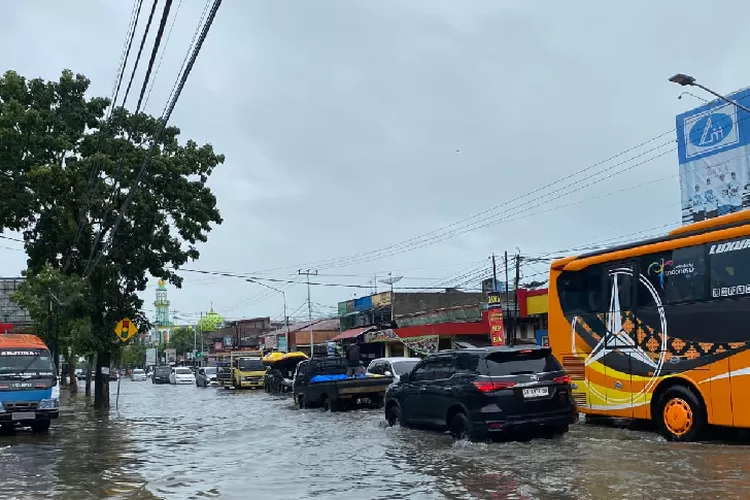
[{"x": 681, "y": 416}]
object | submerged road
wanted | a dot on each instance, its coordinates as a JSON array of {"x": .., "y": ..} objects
[{"x": 189, "y": 443}]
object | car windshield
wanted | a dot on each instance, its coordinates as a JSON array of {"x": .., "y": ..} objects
[
  {"x": 211, "y": 370},
  {"x": 26, "y": 362},
  {"x": 183, "y": 371},
  {"x": 138, "y": 371},
  {"x": 401, "y": 367},
  {"x": 520, "y": 362},
  {"x": 252, "y": 365}
]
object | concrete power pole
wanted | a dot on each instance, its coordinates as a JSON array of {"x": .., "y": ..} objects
[{"x": 309, "y": 308}]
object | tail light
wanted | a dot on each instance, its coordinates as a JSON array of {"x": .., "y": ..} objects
[
  {"x": 492, "y": 385},
  {"x": 564, "y": 379}
]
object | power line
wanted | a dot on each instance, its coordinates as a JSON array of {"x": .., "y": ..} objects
[
  {"x": 140, "y": 51},
  {"x": 154, "y": 51},
  {"x": 161, "y": 58},
  {"x": 164, "y": 120}
]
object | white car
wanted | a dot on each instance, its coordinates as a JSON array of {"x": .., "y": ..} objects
[
  {"x": 392, "y": 367},
  {"x": 181, "y": 375},
  {"x": 138, "y": 375}
]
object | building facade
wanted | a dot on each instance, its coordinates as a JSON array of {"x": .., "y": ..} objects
[{"x": 13, "y": 317}]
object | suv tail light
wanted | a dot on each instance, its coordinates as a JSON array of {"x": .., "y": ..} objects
[
  {"x": 492, "y": 385},
  {"x": 564, "y": 379}
]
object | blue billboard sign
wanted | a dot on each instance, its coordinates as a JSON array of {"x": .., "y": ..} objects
[{"x": 713, "y": 145}]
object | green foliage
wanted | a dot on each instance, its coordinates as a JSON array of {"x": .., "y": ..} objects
[
  {"x": 182, "y": 339},
  {"x": 134, "y": 355},
  {"x": 69, "y": 296},
  {"x": 52, "y": 139},
  {"x": 210, "y": 322}
]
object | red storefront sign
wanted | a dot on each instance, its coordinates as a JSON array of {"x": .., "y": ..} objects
[{"x": 497, "y": 326}]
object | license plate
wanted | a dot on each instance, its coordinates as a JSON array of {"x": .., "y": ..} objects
[
  {"x": 23, "y": 415},
  {"x": 536, "y": 392}
]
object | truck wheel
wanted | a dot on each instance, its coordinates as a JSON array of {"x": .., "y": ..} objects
[
  {"x": 301, "y": 402},
  {"x": 377, "y": 401},
  {"x": 40, "y": 427},
  {"x": 329, "y": 405}
]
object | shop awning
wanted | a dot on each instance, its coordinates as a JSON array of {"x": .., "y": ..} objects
[{"x": 351, "y": 333}]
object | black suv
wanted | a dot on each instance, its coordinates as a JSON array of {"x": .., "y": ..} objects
[
  {"x": 480, "y": 392},
  {"x": 161, "y": 374}
]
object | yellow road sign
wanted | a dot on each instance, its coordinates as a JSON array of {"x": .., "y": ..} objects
[{"x": 125, "y": 329}]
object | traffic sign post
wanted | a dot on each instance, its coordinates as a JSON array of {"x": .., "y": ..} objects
[{"x": 125, "y": 329}]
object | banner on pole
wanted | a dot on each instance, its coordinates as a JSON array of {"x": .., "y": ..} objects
[{"x": 713, "y": 146}]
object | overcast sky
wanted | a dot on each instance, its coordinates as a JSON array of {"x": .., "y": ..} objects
[{"x": 351, "y": 126}]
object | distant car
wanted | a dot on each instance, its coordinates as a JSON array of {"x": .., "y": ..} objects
[
  {"x": 181, "y": 375},
  {"x": 392, "y": 367},
  {"x": 114, "y": 375},
  {"x": 206, "y": 377},
  {"x": 161, "y": 375},
  {"x": 138, "y": 375},
  {"x": 481, "y": 392},
  {"x": 80, "y": 374}
]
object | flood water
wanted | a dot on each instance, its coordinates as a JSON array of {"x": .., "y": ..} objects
[{"x": 189, "y": 443}]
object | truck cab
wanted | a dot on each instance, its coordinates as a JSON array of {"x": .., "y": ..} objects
[
  {"x": 29, "y": 392},
  {"x": 248, "y": 372}
]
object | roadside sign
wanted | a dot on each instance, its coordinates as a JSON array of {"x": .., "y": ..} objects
[{"x": 125, "y": 329}]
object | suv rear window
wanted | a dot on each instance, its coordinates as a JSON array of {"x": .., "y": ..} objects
[{"x": 515, "y": 363}]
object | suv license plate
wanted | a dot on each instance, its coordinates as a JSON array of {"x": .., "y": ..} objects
[
  {"x": 23, "y": 415},
  {"x": 536, "y": 392}
]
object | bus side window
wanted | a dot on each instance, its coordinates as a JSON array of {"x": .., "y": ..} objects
[{"x": 580, "y": 291}]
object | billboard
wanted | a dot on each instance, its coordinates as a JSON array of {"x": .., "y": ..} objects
[
  {"x": 713, "y": 146},
  {"x": 151, "y": 356},
  {"x": 171, "y": 356}
]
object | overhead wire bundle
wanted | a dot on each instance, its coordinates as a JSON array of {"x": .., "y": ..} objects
[{"x": 181, "y": 80}]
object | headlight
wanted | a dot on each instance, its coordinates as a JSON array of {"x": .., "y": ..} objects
[
  {"x": 2, "y": 408},
  {"x": 48, "y": 404},
  {"x": 56, "y": 391}
]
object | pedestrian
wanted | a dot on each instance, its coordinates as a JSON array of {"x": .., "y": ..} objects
[{"x": 352, "y": 358}]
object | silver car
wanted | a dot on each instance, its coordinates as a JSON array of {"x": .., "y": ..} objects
[
  {"x": 206, "y": 377},
  {"x": 392, "y": 367}
]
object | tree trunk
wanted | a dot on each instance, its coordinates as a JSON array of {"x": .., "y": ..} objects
[
  {"x": 90, "y": 363},
  {"x": 101, "y": 382}
]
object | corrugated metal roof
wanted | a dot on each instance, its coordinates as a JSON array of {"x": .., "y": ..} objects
[
  {"x": 351, "y": 333},
  {"x": 317, "y": 325}
]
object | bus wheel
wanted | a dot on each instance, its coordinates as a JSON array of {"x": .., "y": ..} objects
[{"x": 681, "y": 415}]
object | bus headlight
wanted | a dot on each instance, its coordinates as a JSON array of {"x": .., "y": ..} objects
[{"x": 2, "y": 408}]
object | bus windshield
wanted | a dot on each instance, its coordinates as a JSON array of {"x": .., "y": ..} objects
[{"x": 26, "y": 363}]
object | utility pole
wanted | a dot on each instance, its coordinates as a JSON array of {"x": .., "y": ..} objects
[
  {"x": 507, "y": 296},
  {"x": 283, "y": 298},
  {"x": 494, "y": 273},
  {"x": 55, "y": 355},
  {"x": 390, "y": 280},
  {"x": 309, "y": 307},
  {"x": 515, "y": 290}
]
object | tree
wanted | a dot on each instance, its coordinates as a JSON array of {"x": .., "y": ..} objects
[
  {"x": 134, "y": 355},
  {"x": 79, "y": 175},
  {"x": 57, "y": 303},
  {"x": 182, "y": 339}
]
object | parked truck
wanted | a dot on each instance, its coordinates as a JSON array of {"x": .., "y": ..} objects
[
  {"x": 322, "y": 382},
  {"x": 29, "y": 390}
]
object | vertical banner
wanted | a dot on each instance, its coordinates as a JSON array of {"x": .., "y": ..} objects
[
  {"x": 151, "y": 356},
  {"x": 495, "y": 318},
  {"x": 713, "y": 144},
  {"x": 171, "y": 356}
]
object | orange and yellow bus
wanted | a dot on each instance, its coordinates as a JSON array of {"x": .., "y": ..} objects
[{"x": 660, "y": 329}]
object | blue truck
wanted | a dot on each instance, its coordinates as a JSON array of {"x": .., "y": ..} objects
[{"x": 29, "y": 392}]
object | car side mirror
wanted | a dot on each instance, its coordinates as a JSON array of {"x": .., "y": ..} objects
[
  {"x": 388, "y": 374},
  {"x": 405, "y": 378}
]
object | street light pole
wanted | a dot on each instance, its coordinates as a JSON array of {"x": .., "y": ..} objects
[
  {"x": 283, "y": 298},
  {"x": 689, "y": 81}
]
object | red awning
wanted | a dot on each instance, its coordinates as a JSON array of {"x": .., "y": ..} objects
[{"x": 351, "y": 333}]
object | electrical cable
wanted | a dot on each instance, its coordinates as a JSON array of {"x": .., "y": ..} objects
[
  {"x": 161, "y": 58},
  {"x": 164, "y": 120},
  {"x": 154, "y": 52},
  {"x": 140, "y": 50}
]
